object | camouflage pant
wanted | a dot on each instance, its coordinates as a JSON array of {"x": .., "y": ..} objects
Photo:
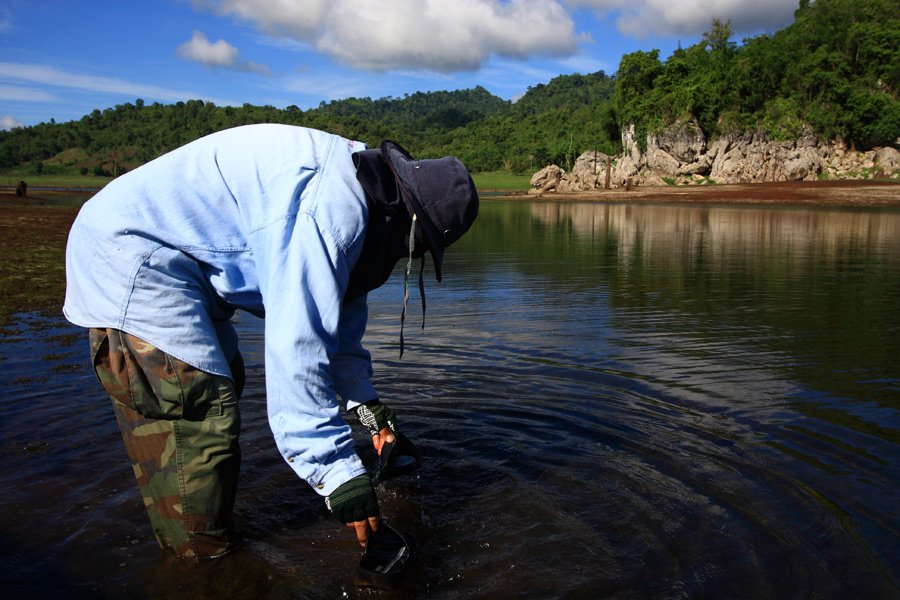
[{"x": 180, "y": 426}]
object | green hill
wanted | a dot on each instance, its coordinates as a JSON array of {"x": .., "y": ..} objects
[{"x": 835, "y": 69}]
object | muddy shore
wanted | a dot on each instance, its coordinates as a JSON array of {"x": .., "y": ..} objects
[
  {"x": 848, "y": 193},
  {"x": 884, "y": 193},
  {"x": 33, "y": 234}
]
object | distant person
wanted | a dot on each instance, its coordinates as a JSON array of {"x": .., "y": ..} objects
[{"x": 292, "y": 224}]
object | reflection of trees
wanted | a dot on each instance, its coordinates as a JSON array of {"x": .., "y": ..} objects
[{"x": 824, "y": 282}]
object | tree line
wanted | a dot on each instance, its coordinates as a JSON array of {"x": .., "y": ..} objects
[{"x": 834, "y": 72}]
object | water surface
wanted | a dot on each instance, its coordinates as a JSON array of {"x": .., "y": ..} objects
[{"x": 625, "y": 401}]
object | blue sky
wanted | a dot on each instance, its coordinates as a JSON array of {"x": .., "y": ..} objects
[{"x": 61, "y": 59}]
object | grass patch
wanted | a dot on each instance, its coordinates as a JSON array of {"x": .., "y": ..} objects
[
  {"x": 501, "y": 181},
  {"x": 11, "y": 179},
  {"x": 493, "y": 181}
]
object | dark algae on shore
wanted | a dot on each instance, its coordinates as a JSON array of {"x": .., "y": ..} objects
[{"x": 32, "y": 246}]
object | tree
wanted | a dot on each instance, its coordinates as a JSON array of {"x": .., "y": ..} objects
[
  {"x": 636, "y": 95},
  {"x": 836, "y": 69},
  {"x": 718, "y": 40}
]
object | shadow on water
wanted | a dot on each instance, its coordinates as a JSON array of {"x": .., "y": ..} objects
[{"x": 612, "y": 401}]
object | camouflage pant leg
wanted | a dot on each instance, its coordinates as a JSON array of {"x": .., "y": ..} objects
[{"x": 180, "y": 426}]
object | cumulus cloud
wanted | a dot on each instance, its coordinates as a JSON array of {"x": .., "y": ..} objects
[
  {"x": 7, "y": 123},
  {"x": 438, "y": 35},
  {"x": 216, "y": 54},
  {"x": 640, "y": 18}
]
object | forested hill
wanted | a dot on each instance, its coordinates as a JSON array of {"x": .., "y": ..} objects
[{"x": 835, "y": 71}]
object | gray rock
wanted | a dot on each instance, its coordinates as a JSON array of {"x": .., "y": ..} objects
[{"x": 683, "y": 154}]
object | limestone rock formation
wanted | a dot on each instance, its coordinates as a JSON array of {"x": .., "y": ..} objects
[
  {"x": 546, "y": 180},
  {"x": 681, "y": 155}
]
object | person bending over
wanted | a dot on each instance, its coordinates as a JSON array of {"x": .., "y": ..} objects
[{"x": 287, "y": 223}]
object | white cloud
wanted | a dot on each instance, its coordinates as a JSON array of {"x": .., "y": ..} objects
[
  {"x": 439, "y": 35},
  {"x": 640, "y": 18},
  {"x": 7, "y": 123},
  {"x": 328, "y": 86},
  {"x": 23, "y": 94},
  {"x": 53, "y": 77},
  {"x": 216, "y": 54},
  {"x": 586, "y": 64}
]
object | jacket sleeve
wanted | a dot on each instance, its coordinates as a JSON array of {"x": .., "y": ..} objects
[
  {"x": 303, "y": 273},
  {"x": 352, "y": 366}
]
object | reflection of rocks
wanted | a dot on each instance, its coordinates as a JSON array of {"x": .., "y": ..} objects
[
  {"x": 723, "y": 233},
  {"x": 683, "y": 155}
]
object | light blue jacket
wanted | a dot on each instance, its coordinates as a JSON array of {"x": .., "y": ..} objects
[{"x": 269, "y": 219}]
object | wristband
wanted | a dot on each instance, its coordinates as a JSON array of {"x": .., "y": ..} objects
[{"x": 375, "y": 416}]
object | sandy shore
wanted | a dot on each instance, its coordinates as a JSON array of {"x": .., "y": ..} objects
[{"x": 817, "y": 193}]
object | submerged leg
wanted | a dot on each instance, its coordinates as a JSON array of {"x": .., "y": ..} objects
[{"x": 180, "y": 426}]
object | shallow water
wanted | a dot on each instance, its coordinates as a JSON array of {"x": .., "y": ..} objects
[{"x": 619, "y": 401}]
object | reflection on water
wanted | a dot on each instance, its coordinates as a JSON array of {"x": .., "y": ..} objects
[
  {"x": 819, "y": 282},
  {"x": 613, "y": 401}
]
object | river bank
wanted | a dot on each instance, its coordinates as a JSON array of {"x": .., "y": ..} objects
[
  {"x": 851, "y": 193},
  {"x": 33, "y": 234},
  {"x": 874, "y": 193},
  {"x": 33, "y": 229}
]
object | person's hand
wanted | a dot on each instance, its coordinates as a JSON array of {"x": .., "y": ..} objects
[
  {"x": 355, "y": 504},
  {"x": 379, "y": 419}
]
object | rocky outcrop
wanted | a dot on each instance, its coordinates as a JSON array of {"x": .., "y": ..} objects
[
  {"x": 588, "y": 173},
  {"x": 683, "y": 155},
  {"x": 547, "y": 179}
]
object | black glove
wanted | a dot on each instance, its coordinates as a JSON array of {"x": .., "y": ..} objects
[
  {"x": 395, "y": 457},
  {"x": 376, "y": 416},
  {"x": 354, "y": 500}
]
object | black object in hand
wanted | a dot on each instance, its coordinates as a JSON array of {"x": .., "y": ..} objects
[
  {"x": 397, "y": 458},
  {"x": 385, "y": 559}
]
